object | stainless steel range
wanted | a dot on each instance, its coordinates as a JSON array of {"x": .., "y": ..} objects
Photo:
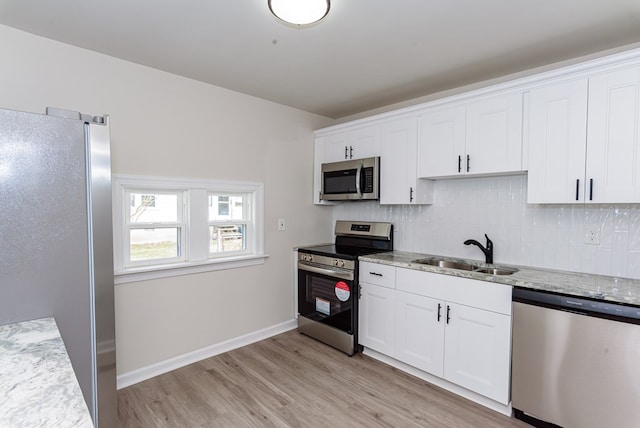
[{"x": 328, "y": 282}]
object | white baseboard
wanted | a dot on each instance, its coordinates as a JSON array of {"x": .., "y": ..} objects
[{"x": 144, "y": 373}]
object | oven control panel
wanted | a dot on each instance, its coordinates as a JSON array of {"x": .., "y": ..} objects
[
  {"x": 305, "y": 257},
  {"x": 326, "y": 261}
]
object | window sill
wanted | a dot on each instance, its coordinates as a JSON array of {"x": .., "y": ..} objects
[{"x": 156, "y": 272}]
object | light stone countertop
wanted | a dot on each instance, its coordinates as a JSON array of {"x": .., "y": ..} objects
[
  {"x": 606, "y": 288},
  {"x": 38, "y": 387}
]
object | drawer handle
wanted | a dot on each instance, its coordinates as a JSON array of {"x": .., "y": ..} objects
[{"x": 375, "y": 273}]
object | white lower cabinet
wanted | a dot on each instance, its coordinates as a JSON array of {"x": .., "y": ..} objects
[
  {"x": 376, "y": 321},
  {"x": 477, "y": 347},
  {"x": 457, "y": 329},
  {"x": 419, "y": 334}
]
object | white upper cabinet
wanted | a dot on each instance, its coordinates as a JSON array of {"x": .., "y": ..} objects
[
  {"x": 399, "y": 183},
  {"x": 354, "y": 144},
  {"x": 557, "y": 138},
  {"x": 584, "y": 140},
  {"x": 494, "y": 135},
  {"x": 579, "y": 126},
  {"x": 613, "y": 134},
  {"x": 442, "y": 142},
  {"x": 479, "y": 137}
]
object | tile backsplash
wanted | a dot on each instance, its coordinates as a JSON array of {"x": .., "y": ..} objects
[{"x": 547, "y": 236}]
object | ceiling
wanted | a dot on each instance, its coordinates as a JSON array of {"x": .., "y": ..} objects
[{"x": 365, "y": 54}]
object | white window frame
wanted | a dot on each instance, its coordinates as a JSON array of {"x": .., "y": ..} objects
[
  {"x": 246, "y": 220},
  {"x": 179, "y": 224},
  {"x": 195, "y": 257}
]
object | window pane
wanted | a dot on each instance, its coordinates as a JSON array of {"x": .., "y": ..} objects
[
  {"x": 153, "y": 208},
  {"x": 158, "y": 243},
  {"x": 227, "y": 238},
  {"x": 226, "y": 207}
]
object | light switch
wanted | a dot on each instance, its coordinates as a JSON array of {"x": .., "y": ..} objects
[{"x": 281, "y": 226}]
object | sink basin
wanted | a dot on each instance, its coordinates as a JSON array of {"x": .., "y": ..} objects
[
  {"x": 496, "y": 271},
  {"x": 460, "y": 265},
  {"x": 450, "y": 264}
]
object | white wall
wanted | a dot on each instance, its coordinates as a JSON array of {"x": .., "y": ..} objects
[
  {"x": 166, "y": 125},
  {"x": 548, "y": 236}
]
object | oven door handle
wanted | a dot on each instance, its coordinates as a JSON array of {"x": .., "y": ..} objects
[{"x": 329, "y": 272}]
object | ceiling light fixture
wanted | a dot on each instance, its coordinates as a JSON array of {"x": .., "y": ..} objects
[{"x": 299, "y": 12}]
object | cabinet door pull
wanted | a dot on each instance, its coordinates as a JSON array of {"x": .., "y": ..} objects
[
  {"x": 468, "y": 162},
  {"x": 459, "y": 163},
  {"x": 591, "y": 189},
  {"x": 346, "y": 152},
  {"x": 439, "y": 308},
  {"x": 448, "y": 311},
  {"x": 350, "y": 152},
  {"x": 375, "y": 274},
  {"x": 577, "y": 189},
  {"x": 410, "y": 194}
]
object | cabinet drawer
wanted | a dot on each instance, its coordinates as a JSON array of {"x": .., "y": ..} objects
[{"x": 377, "y": 274}]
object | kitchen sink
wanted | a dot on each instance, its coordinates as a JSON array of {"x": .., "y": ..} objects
[
  {"x": 450, "y": 264},
  {"x": 496, "y": 271},
  {"x": 461, "y": 265}
]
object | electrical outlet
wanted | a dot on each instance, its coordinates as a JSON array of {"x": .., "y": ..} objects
[
  {"x": 281, "y": 225},
  {"x": 592, "y": 237}
]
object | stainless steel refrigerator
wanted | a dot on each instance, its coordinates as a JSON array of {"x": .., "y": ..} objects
[{"x": 56, "y": 236}]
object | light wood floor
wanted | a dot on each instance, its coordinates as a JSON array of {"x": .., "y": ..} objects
[{"x": 291, "y": 380}]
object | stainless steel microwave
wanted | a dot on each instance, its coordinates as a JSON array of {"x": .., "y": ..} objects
[{"x": 357, "y": 179}]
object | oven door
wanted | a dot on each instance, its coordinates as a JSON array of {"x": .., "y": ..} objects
[{"x": 327, "y": 295}]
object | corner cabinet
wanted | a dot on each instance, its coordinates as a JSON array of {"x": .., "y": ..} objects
[
  {"x": 584, "y": 140},
  {"x": 453, "y": 328},
  {"x": 478, "y": 137}
]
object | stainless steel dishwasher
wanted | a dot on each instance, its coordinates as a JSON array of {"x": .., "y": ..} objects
[{"x": 576, "y": 362}]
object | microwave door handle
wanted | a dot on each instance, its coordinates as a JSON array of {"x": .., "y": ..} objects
[{"x": 358, "y": 177}]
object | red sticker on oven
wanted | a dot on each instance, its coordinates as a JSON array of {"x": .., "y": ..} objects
[{"x": 342, "y": 291}]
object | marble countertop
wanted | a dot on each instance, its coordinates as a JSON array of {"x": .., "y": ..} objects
[
  {"x": 38, "y": 387},
  {"x": 606, "y": 288}
]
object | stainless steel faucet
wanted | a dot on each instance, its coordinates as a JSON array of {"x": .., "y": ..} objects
[{"x": 488, "y": 250}]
